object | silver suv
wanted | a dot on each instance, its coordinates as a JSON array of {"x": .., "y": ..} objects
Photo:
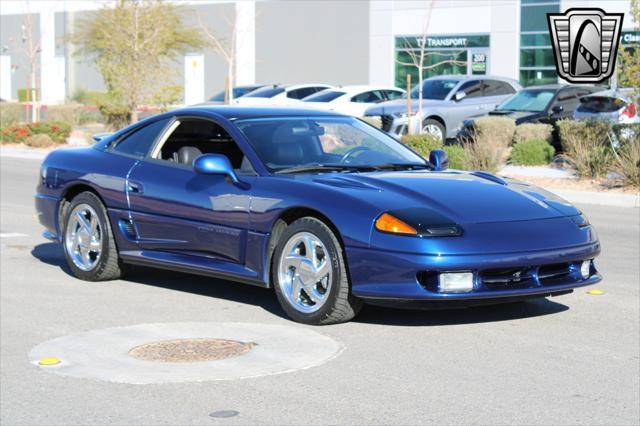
[{"x": 446, "y": 102}]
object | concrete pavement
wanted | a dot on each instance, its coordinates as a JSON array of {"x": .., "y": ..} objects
[{"x": 567, "y": 360}]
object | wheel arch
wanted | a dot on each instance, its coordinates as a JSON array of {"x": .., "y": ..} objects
[
  {"x": 287, "y": 217},
  {"x": 69, "y": 193},
  {"x": 437, "y": 118}
]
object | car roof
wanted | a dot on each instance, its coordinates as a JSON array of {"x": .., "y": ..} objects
[
  {"x": 237, "y": 112},
  {"x": 558, "y": 87},
  {"x": 363, "y": 88}
]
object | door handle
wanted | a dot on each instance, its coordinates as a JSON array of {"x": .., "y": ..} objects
[{"x": 134, "y": 188}]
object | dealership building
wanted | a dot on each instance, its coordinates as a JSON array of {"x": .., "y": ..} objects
[{"x": 334, "y": 42}]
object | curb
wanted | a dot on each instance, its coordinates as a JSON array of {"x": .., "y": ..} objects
[{"x": 598, "y": 198}]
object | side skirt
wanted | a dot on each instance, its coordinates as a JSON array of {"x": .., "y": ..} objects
[{"x": 192, "y": 265}]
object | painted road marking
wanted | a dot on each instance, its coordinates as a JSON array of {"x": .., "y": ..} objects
[{"x": 12, "y": 235}]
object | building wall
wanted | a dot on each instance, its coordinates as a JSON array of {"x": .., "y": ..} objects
[
  {"x": 312, "y": 41},
  {"x": 11, "y": 45}
]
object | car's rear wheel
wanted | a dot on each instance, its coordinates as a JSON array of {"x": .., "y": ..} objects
[
  {"x": 89, "y": 246},
  {"x": 310, "y": 276},
  {"x": 434, "y": 127}
]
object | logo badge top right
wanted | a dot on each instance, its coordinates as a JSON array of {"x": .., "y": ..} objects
[{"x": 585, "y": 43}]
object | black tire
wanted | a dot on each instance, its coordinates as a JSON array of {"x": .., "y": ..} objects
[
  {"x": 439, "y": 125},
  {"x": 341, "y": 305},
  {"x": 108, "y": 266}
]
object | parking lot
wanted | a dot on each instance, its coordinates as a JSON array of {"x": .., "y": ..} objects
[{"x": 569, "y": 360}]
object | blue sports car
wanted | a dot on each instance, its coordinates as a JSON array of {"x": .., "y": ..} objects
[{"x": 326, "y": 209}]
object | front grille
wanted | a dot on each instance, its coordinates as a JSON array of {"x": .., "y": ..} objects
[
  {"x": 554, "y": 274},
  {"x": 507, "y": 278},
  {"x": 387, "y": 122}
]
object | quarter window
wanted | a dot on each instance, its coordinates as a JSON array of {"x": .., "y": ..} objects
[{"x": 140, "y": 141}]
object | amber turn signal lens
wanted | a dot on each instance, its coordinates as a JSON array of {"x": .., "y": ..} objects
[{"x": 388, "y": 223}]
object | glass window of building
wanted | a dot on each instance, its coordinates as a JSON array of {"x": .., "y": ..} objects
[
  {"x": 444, "y": 55},
  {"x": 537, "y": 64}
]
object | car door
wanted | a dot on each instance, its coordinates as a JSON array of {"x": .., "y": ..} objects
[
  {"x": 175, "y": 209},
  {"x": 471, "y": 104}
]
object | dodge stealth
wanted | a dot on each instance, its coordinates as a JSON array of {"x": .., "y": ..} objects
[{"x": 325, "y": 209}]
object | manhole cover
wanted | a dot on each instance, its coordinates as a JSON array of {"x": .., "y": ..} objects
[{"x": 190, "y": 350}]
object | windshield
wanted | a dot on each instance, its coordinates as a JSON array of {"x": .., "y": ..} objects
[
  {"x": 528, "y": 100},
  {"x": 332, "y": 142},
  {"x": 266, "y": 92},
  {"x": 324, "y": 96},
  {"x": 435, "y": 89}
]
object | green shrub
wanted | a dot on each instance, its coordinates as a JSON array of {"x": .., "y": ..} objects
[
  {"x": 423, "y": 143},
  {"x": 10, "y": 113},
  {"x": 627, "y": 162},
  {"x": 39, "y": 141},
  {"x": 14, "y": 134},
  {"x": 587, "y": 146},
  {"x": 532, "y": 131},
  {"x": 457, "y": 156},
  {"x": 65, "y": 113},
  {"x": 499, "y": 129},
  {"x": 488, "y": 147},
  {"x": 532, "y": 153},
  {"x": 168, "y": 96},
  {"x": 116, "y": 116}
]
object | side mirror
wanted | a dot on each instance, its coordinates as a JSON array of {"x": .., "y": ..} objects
[
  {"x": 460, "y": 95},
  {"x": 215, "y": 164},
  {"x": 439, "y": 159},
  {"x": 557, "y": 109}
]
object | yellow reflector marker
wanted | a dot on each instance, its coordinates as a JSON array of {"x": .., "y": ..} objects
[
  {"x": 49, "y": 361},
  {"x": 388, "y": 223},
  {"x": 595, "y": 292}
]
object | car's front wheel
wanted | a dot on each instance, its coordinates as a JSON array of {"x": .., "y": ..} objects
[
  {"x": 434, "y": 127},
  {"x": 310, "y": 276},
  {"x": 89, "y": 246}
]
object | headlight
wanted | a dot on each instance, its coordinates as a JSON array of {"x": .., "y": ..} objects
[
  {"x": 417, "y": 221},
  {"x": 403, "y": 115},
  {"x": 393, "y": 225}
]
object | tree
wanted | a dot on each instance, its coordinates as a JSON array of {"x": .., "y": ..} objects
[
  {"x": 227, "y": 50},
  {"x": 628, "y": 69},
  {"x": 418, "y": 59},
  {"x": 31, "y": 49},
  {"x": 133, "y": 44}
]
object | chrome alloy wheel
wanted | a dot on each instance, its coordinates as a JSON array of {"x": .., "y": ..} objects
[
  {"x": 83, "y": 239},
  {"x": 432, "y": 129},
  {"x": 304, "y": 272}
]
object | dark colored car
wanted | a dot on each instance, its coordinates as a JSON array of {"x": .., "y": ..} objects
[
  {"x": 329, "y": 211},
  {"x": 537, "y": 104},
  {"x": 238, "y": 92}
]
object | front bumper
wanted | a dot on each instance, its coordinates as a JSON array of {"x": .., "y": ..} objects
[{"x": 377, "y": 274}]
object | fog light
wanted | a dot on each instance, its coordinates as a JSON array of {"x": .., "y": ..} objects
[
  {"x": 585, "y": 269},
  {"x": 455, "y": 282}
]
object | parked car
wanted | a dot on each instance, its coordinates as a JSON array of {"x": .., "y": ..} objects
[
  {"x": 616, "y": 106},
  {"x": 238, "y": 92},
  {"x": 324, "y": 208},
  {"x": 352, "y": 100},
  {"x": 447, "y": 101},
  {"x": 280, "y": 94},
  {"x": 538, "y": 104}
]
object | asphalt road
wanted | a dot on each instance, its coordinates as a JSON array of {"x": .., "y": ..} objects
[{"x": 569, "y": 360}]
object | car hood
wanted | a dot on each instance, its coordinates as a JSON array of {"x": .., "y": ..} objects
[
  {"x": 519, "y": 116},
  {"x": 463, "y": 197},
  {"x": 391, "y": 107}
]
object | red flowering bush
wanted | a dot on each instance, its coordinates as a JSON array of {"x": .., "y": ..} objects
[{"x": 57, "y": 131}]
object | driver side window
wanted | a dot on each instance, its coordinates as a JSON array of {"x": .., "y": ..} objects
[
  {"x": 187, "y": 139},
  {"x": 473, "y": 89}
]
